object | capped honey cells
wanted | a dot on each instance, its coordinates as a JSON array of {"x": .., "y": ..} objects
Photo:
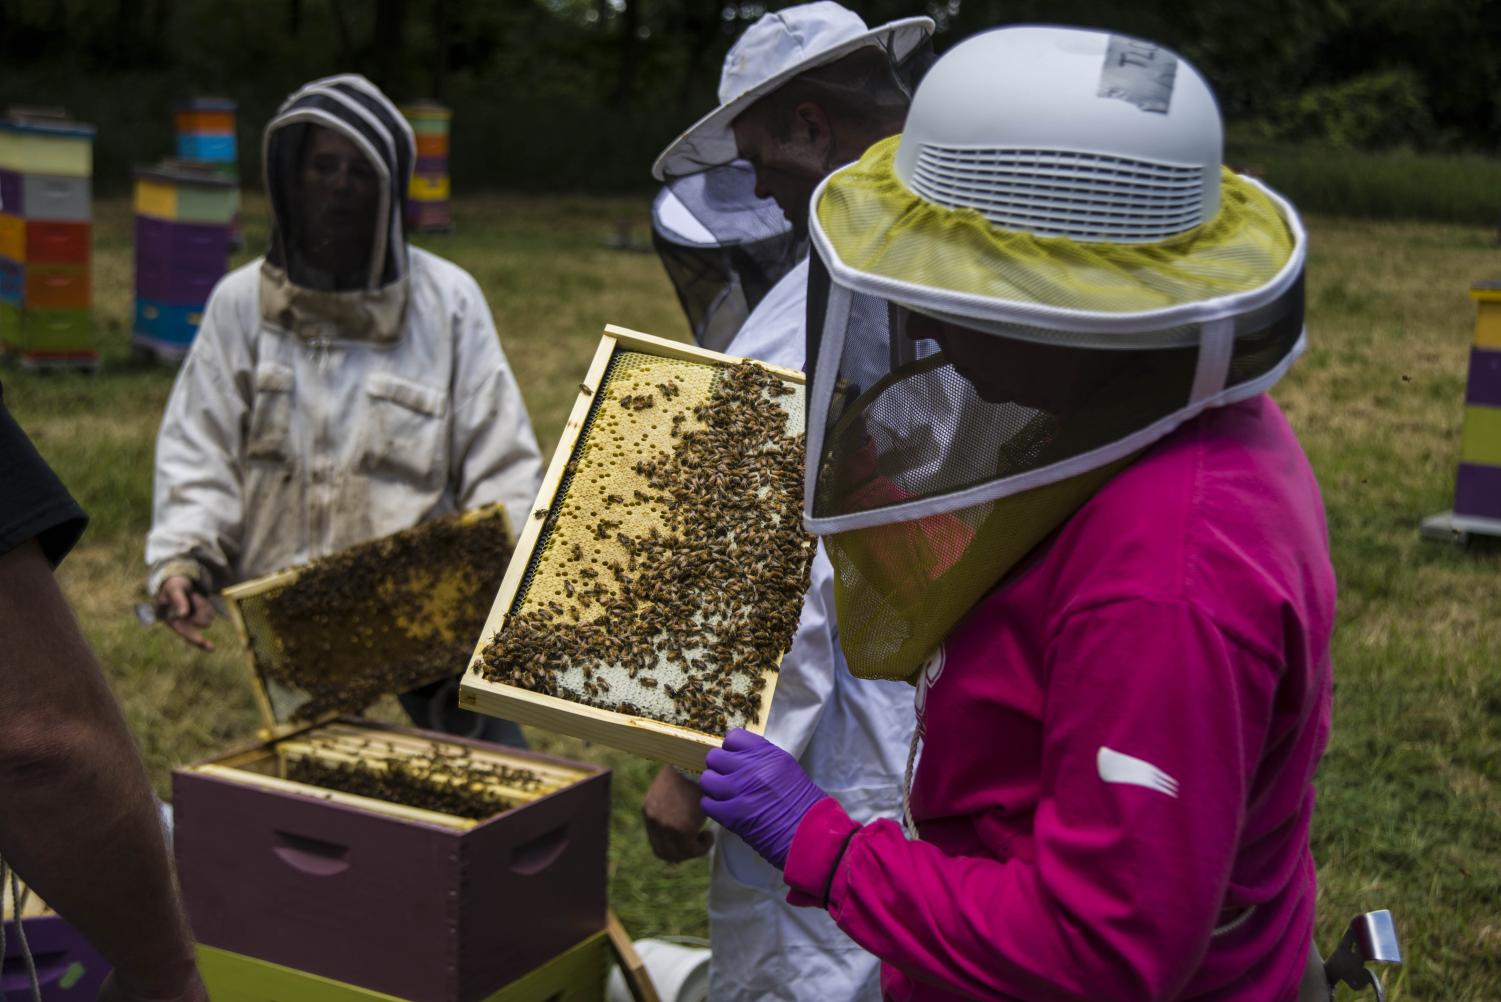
[
  {"x": 670, "y": 575},
  {"x": 382, "y": 617}
]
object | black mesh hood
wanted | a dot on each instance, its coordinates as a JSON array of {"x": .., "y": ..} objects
[{"x": 356, "y": 108}]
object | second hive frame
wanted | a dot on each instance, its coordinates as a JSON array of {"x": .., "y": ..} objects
[{"x": 664, "y": 742}]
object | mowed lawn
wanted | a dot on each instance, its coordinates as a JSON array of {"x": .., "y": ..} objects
[{"x": 1410, "y": 793}]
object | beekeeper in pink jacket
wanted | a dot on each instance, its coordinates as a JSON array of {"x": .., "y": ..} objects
[{"x": 1057, "y": 499}]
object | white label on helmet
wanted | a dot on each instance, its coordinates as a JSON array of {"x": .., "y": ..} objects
[{"x": 1138, "y": 72}]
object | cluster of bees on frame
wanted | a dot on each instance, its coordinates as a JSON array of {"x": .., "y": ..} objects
[
  {"x": 444, "y": 778},
  {"x": 702, "y": 601},
  {"x": 358, "y": 624}
]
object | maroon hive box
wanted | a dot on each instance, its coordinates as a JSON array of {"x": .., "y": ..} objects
[{"x": 413, "y": 903}]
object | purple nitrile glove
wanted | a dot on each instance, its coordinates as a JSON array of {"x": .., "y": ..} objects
[{"x": 757, "y": 791}]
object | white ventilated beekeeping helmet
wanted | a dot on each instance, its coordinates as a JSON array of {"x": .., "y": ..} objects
[{"x": 1092, "y": 136}]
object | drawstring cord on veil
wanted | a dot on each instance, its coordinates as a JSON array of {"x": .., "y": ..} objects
[
  {"x": 909, "y": 827},
  {"x": 8, "y": 875}
]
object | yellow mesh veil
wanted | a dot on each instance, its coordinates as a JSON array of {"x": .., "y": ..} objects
[
  {"x": 877, "y": 225},
  {"x": 900, "y": 588}
]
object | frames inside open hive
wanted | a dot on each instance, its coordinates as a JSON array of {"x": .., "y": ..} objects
[
  {"x": 391, "y": 772},
  {"x": 335, "y": 635},
  {"x": 666, "y": 581},
  {"x": 31, "y": 905}
]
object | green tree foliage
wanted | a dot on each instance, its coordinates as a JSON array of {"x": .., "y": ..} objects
[
  {"x": 556, "y": 94},
  {"x": 1376, "y": 110}
]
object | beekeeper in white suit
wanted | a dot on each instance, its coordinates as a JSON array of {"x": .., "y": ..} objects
[
  {"x": 343, "y": 387},
  {"x": 804, "y": 90}
]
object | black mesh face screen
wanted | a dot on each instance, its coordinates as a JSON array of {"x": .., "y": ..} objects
[
  {"x": 350, "y": 106},
  {"x": 723, "y": 248},
  {"x": 723, "y": 201},
  {"x": 927, "y": 405},
  {"x": 702, "y": 277},
  {"x": 964, "y": 407},
  {"x": 1264, "y": 337}
]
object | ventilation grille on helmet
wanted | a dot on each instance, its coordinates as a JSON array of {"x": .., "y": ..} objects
[{"x": 1087, "y": 196}]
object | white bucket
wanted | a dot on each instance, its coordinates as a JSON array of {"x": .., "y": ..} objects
[{"x": 679, "y": 970}]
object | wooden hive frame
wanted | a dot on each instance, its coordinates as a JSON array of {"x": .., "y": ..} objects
[
  {"x": 32, "y": 906},
  {"x": 654, "y": 739},
  {"x": 273, "y": 725}
]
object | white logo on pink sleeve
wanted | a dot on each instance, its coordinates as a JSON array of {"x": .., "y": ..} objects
[{"x": 1116, "y": 767}]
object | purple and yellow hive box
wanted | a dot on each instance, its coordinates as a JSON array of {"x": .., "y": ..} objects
[
  {"x": 404, "y": 901},
  {"x": 577, "y": 975},
  {"x": 184, "y": 231},
  {"x": 1477, "y": 491},
  {"x": 427, "y": 206},
  {"x": 1477, "y": 485}
]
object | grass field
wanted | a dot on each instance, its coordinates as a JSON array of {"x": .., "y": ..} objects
[
  {"x": 1410, "y": 804},
  {"x": 1376, "y": 184}
]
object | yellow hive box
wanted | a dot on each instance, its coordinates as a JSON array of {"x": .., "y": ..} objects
[
  {"x": 156, "y": 198},
  {"x": 429, "y": 187},
  {"x": 359, "y": 623},
  {"x": 66, "y": 149},
  {"x": 1487, "y": 296},
  {"x": 1480, "y": 441},
  {"x": 575, "y": 976},
  {"x": 13, "y": 237},
  {"x": 617, "y": 548}
]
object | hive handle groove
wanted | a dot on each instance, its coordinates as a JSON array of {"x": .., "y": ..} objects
[{"x": 312, "y": 856}]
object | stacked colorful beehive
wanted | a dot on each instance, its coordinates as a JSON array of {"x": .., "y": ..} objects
[
  {"x": 206, "y": 137},
  {"x": 46, "y": 165},
  {"x": 1477, "y": 489},
  {"x": 206, "y": 132},
  {"x": 184, "y": 221},
  {"x": 427, "y": 197},
  {"x": 1477, "y": 492}
]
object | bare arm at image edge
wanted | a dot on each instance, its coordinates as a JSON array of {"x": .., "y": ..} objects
[{"x": 80, "y": 824}]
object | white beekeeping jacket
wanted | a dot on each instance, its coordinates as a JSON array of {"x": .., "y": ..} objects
[
  {"x": 275, "y": 449},
  {"x": 850, "y": 736}
]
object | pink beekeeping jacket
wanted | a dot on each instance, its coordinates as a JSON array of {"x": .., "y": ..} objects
[{"x": 1119, "y": 748}]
